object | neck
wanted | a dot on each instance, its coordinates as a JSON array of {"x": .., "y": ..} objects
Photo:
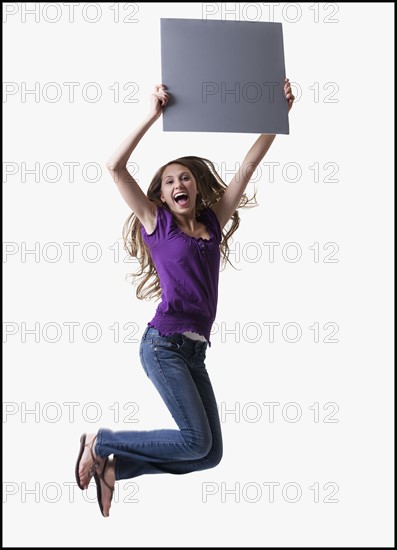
[{"x": 186, "y": 221}]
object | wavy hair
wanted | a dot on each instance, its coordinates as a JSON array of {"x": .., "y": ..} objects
[{"x": 210, "y": 189}]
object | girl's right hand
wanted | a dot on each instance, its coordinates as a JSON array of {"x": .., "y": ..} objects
[
  {"x": 288, "y": 94},
  {"x": 159, "y": 100}
]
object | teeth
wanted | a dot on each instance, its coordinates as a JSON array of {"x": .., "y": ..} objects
[{"x": 179, "y": 194}]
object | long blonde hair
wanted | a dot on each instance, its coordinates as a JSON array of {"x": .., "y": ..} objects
[{"x": 210, "y": 188}]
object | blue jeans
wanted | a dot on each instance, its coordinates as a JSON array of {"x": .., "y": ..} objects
[{"x": 175, "y": 365}]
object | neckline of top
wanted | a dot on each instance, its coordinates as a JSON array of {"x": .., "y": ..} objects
[{"x": 194, "y": 238}]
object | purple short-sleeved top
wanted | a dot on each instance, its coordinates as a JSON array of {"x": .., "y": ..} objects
[{"x": 188, "y": 269}]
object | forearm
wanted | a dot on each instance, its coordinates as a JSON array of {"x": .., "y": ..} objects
[
  {"x": 120, "y": 157},
  {"x": 258, "y": 151}
]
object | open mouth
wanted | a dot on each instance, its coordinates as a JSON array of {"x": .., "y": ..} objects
[{"x": 181, "y": 198}]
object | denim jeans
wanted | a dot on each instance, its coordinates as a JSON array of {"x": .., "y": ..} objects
[{"x": 175, "y": 365}]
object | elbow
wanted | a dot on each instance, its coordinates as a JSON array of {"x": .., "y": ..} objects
[
  {"x": 114, "y": 169},
  {"x": 111, "y": 165},
  {"x": 115, "y": 166}
]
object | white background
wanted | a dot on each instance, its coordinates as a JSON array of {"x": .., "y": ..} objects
[{"x": 341, "y": 68}]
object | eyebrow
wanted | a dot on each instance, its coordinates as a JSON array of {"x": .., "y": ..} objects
[{"x": 172, "y": 175}]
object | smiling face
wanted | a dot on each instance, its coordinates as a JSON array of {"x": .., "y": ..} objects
[{"x": 179, "y": 189}]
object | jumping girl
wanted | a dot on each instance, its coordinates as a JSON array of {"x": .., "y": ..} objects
[{"x": 177, "y": 233}]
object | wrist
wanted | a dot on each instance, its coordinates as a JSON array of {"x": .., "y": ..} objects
[
  {"x": 149, "y": 120},
  {"x": 152, "y": 117}
]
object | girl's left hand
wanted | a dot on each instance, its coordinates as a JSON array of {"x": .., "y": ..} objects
[
  {"x": 288, "y": 94},
  {"x": 159, "y": 100}
]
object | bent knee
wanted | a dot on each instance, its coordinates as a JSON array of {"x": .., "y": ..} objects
[
  {"x": 213, "y": 456},
  {"x": 202, "y": 447}
]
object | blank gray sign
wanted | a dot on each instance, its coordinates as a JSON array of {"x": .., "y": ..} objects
[{"x": 224, "y": 76}]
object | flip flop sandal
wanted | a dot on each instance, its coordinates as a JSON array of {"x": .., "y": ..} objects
[
  {"x": 81, "y": 451},
  {"x": 98, "y": 478}
]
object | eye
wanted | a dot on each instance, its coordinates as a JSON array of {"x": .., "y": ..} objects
[{"x": 186, "y": 177}]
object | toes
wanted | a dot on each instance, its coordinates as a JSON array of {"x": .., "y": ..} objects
[{"x": 87, "y": 463}]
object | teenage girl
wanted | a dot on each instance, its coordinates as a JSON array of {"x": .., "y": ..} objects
[{"x": 177, "y": 232}]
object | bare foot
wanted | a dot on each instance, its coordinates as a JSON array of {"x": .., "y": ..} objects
[
  {"x": 89, "y": 461},
  {"x": 105, "y": 476}
]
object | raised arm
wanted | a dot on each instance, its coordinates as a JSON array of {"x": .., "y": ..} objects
[
  {"x": 117, "y": 163},
  {"x": 225, "y": 207}
]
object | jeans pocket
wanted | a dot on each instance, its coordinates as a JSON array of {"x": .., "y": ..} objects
[{"x": 173, "y": 342}]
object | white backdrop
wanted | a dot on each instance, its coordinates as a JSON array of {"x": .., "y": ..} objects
[{"x": 301, "y": 360}]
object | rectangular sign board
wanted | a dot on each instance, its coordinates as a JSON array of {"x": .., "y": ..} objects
[{"x": 223, "y": 76}]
